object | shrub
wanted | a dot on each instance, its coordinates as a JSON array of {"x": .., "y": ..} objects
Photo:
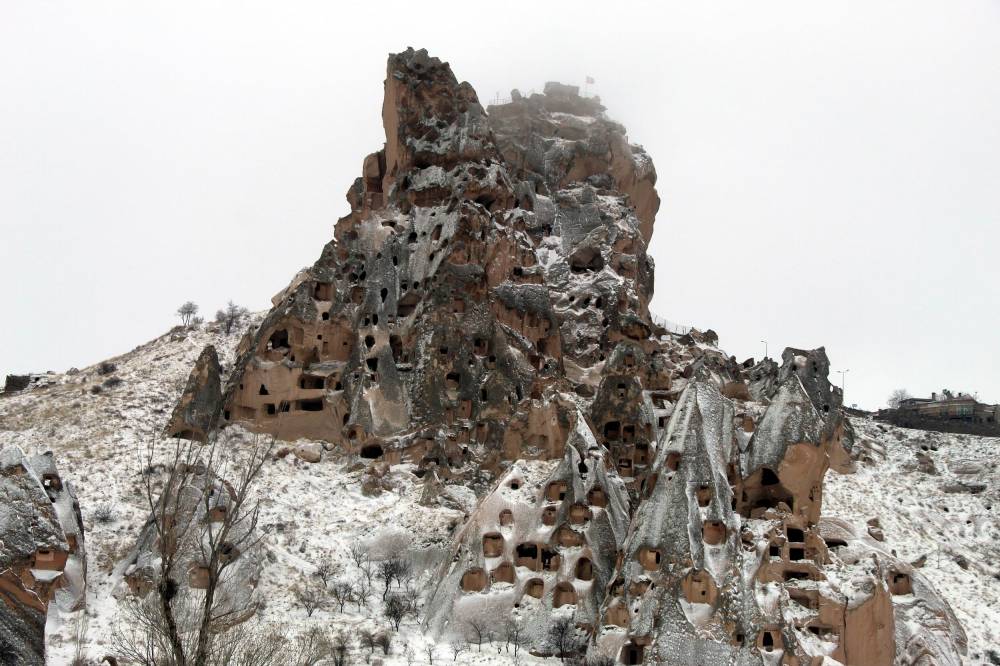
[
  {"x": 104, "y": 513},
  {"x": 106, "y": 368}
]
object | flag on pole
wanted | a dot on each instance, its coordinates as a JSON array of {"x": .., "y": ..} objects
[{"x": 590, "y": 80}]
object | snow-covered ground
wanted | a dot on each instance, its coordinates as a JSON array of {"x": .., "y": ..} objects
[
  {"x": 957, "y": 532},
  {"x": 314, "y": 512}
]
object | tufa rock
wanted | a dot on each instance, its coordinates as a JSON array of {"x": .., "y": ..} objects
[
  {"x": 482, "y": 316},
  {"x": 198, "y": 408}
]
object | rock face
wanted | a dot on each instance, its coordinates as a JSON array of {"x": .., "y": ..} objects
[
  {"x": 198, "y": 409},
  {"x": 42, "y": 556},
  {"x": 482, "y": 314}
]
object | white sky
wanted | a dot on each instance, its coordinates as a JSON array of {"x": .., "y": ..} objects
[{"x": 830, "y": 172}]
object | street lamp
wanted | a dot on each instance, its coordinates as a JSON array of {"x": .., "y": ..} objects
[
  {"x": 842, "y": 373},
  {"x": 765, "y": 348}
]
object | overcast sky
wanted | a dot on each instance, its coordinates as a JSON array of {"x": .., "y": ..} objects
[{"x": 830, "y": 172}]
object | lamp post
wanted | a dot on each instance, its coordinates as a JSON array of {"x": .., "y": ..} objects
[
  {"x": 765, "y": 348},
  {"x": 842, "y": 373}
]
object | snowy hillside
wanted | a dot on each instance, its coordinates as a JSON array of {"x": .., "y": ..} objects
[
  {"x": 311, "y": 513},
  {"x": 937, "y": 498},
  {"x": 934, "y": 495}
]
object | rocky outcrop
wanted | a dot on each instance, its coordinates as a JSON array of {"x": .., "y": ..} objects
[
  {"x": 197, "y": 410},
  {"x": 193, "y": 525},
  {"x": 482, "y": 316},
  {"x": 42, "y": 555}
]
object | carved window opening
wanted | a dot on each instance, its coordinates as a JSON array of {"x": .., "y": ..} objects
[
  {"x": 556, "y": 491},
  {"x": 649, "y": 558},
  {"x": 492, "y": 545},
  {"x": 713, "y": 532},
  {"x": 550, "y": 560},
  {"x": 407, "y": 305},
  {"x": 584, "y": 569},
  {"x": 900, "y": 583},
  {"x": 504, "y": 573},
  {"x": 597, "y": 497},
  {"x": 579, "y": 514},
  {"x": 704, "y": 495},
  {"x": 633, "y": 654},
  {"x": 568, "y": 537},
  {"x": 535, "y": 588},
  {"x": 278, "y": 340},
  {"x": 323, "y": 291},
  {"x": 506, "y": 517},
  {"x": 474, "y": 580},
  {"x": 527, "y": 556},
  {"x": 565, "y": 595},
  {"x": 768, "y": 477},
  {"x": 372, "y": 451},
  {"x": 310, "y": 382}
]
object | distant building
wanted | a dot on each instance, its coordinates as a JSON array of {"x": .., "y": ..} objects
[
  {"x": 945, "y": 412},
  {"x": 948, "y": 406}
]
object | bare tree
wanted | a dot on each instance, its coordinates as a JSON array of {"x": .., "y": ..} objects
[
  {"x": 458, "y": 646},
  {"x": 388, "y": 571},
  {"x": 231, "y": 316},
  {"x": 563, "y": 637},
  {"x": 384, "y": 640},
  {"x": 514, "y": 635},
  {"x": 326, "y": 570},
  {"x": 362, "y": 591},
  {"x": 141, "y": 636},
  {"x": 187, "y": 312},
  {"x": 368, "y": 569},
  {"x": 342, "y": 592},
  {"x": 339, "y": 647},
  {"x": 411, "y": 597},
  {"x": 429, "y": 651},
  {"x": 311, "y": 647},
  {"x": 478, "y": 628},
  {"x": 310, "y": 596},
  {"x": 395, "y": 610},
  {"x": 205, "y": 509},
  {"x": 404, "y": 572},
  {"x": 359, "y": 553},
  {"x": 897, "y": 397},
  {"x": 367, "y": 637}
]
